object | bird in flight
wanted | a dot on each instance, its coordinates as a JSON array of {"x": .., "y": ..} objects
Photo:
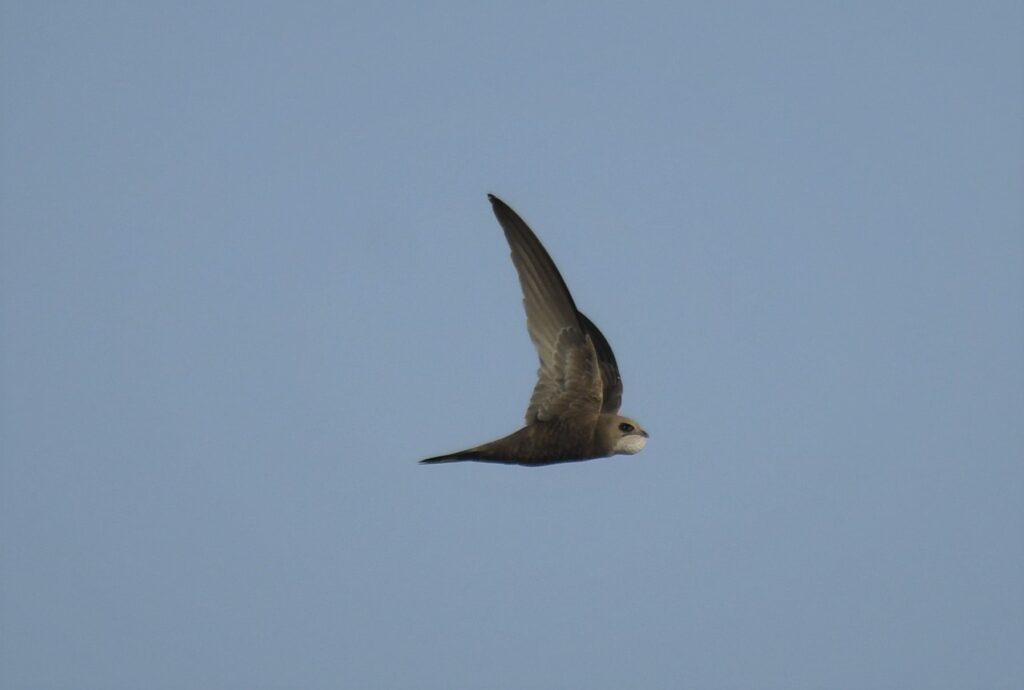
[{"x": 574, "y": 410}]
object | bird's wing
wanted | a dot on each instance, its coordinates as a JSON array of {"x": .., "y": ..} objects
[
  {"x": 612, "y": 382},
  {"x": 569, "y": 382}
]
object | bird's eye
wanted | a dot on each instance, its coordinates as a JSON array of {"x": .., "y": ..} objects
[{"x": 626, "y": 428}]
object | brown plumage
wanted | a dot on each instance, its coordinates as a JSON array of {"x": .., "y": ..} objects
[{"x": 573, "y": 412}]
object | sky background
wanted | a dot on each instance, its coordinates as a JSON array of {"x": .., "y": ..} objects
[{"x": 249, "y": 276}]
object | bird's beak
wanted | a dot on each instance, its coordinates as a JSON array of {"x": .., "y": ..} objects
[{"x": 645, "y": 434}]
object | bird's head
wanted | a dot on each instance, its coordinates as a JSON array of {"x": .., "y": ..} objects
[{"x": 624, "y": 436}]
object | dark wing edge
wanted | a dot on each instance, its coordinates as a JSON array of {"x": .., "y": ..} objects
[{"x": 609, "y": 368}]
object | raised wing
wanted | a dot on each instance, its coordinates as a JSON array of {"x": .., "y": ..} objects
[{"x": 569, "y": 380}]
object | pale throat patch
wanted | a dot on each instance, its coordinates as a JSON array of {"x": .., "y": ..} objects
[{"x": 628, "y": 445}]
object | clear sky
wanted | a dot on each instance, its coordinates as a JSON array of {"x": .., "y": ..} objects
[{"x": 250, "y": 276}]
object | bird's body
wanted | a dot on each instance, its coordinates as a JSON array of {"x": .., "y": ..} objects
[
  {"x": 547, "y": 443},
  {"x": 573, "y": 412}
]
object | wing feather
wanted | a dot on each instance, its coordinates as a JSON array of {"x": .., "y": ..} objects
[{"x": 612, "y": 393}]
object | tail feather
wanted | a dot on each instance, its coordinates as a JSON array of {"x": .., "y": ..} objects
[
  {"x": 470, "y": 454},
  {"x": 451, "y": 457}
]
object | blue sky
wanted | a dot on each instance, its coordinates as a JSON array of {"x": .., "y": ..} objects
[{"x": 250, "y": 277}]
